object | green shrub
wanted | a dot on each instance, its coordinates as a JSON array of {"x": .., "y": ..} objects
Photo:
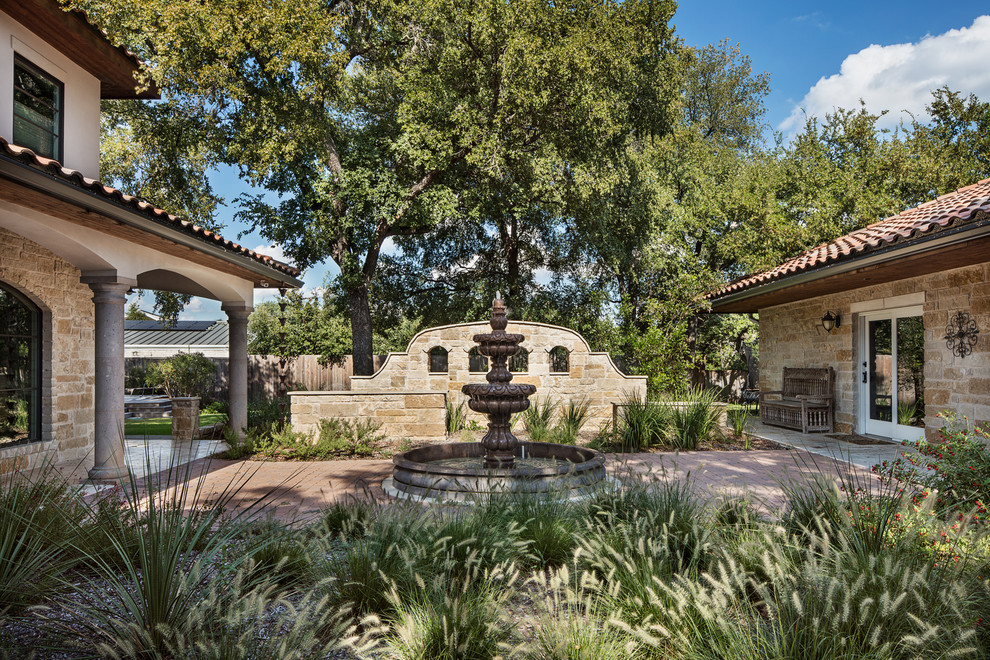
[
  {"x": 693, "y": 418},
  {"x": 574, "y": 623},
  {"x": 366, "y": 569},
  {"x": 349, "y": 518},
  {"x": 813, "y": 507},
  {"x": 183, "y": 374},
  {"x": 737, "y": 418},
  {"x": 239, "y": 445},
  {"x": 238, "y": 619},
  {"x": 456, "y": 416},
  {"x": 217, "y": 407},
  {"x": 136, "y": 377},
  {"x": 267, "y": 415},
  {"x": 642, "y": 425},
  {"x": 278, "y": 556},
  {"x": 39, "y": 518},
  {"x": 449, "y": 622},
  {"x": 537, "y": 418},
  {"x": 136, "y": 602},
  {"x": 955, "y": 470},
  {"x": 573, "y": 417}
]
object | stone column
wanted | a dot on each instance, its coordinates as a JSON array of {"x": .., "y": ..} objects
[
  {"x": 237, "y": 385},
  {"x": 109, "y": 295}
]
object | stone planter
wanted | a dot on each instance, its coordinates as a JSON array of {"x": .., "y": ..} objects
[{"x": 185, "y": 418}]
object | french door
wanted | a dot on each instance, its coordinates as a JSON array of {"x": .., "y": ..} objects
[{"x": 892, "y": 373}]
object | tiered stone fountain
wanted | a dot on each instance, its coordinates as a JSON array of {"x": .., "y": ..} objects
[
  {"x": 499, "y": 398},
  {"x": 500, "y": 462}
]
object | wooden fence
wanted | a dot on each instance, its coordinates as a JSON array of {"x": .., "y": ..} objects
[{"x": 306, "y": 373}]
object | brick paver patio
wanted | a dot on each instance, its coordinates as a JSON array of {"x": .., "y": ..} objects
[{"x": 297, "y": 491}]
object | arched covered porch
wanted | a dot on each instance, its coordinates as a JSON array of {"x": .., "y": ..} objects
[{"x": 66, "y": 236}]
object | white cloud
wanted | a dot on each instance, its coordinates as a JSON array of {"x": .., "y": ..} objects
[{"x": 900, "y": 77}]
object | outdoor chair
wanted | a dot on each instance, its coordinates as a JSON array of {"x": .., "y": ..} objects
[{"x": 805, "y": 403}]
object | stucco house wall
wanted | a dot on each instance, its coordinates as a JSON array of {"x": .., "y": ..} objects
[
  {"x": 81, "y": 116},
  {"x": 791, "y": 336},
  {"x": 592, "y": 375},
  {"x": 52, "y": 284}
]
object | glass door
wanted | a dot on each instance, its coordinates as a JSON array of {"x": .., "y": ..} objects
[{"x": 892, "y": 383}]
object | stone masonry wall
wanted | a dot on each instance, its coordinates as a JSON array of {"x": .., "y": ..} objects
[
  {"x": 592, "y": 375},
  {"x": 418, "y": 416},
  {"x": 67, "y": 353},
  {"x": 790, "y": 335}
]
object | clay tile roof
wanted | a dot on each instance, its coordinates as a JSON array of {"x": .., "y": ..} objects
[
  {"x": 951, "y": 209},
  {"x": 54, "y": 168}
]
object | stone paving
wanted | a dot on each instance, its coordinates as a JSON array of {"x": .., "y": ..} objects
[
  {"x": 864, "y": 456},
  {"x": 297, "y": 491}
]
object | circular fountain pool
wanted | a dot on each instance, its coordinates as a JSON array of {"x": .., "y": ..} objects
[{"x": 458, "y": 472}]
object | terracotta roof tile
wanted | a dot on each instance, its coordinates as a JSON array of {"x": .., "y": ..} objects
[
  {"x": 942, "y": 212},
  {"x": 77, "y": 179}
]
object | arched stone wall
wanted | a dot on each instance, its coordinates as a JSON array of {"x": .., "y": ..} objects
[
  {"x": 592, "y": 375},
  {"x": 67, "y": 367}
]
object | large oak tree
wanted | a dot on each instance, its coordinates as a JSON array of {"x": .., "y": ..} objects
[{"x": 365, "y": 119}]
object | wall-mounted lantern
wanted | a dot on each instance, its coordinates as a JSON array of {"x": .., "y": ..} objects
[{"x": 830, "y": 321}]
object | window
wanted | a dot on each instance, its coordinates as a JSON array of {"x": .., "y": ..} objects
[
  {"x": 20, "y": 369},
  {"x": 519, "y": 363},
  {"x": 37, "y": 110},
  {"x": 558, "y": 360},
  {"x": 438, "y": 360},
  {"x": 476, "y": 361}
]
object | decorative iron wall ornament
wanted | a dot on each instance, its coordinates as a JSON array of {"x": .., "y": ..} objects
[{"x": 961, "y": 334}]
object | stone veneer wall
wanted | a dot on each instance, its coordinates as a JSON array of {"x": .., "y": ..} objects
[
  {"x": 419, "y": 416},
  {"x": 68, "y": 353},
  {"x": 592, "y": 375},
  {"x": 790, "y": 335}
]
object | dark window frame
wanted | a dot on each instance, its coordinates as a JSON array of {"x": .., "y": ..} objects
[
  {"x": 522, "y": 355},
  {"x": 36, "y": 344},
  {"x": 555, "y": 355},
  {"x": 59, "y": 136},
  {"x": 446, "y": 360},
  {"x": 475, "y": 357}
]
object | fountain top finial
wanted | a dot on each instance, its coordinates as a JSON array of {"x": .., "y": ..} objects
[{"x": 499, "y": 320}]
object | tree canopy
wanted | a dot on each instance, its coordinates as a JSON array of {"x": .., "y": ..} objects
[
  {"x": 369, "y": 120},
  {"x": 577, "y": 156}
]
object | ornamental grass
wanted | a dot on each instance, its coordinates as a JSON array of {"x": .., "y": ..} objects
[{"x": 651, "y": 568}]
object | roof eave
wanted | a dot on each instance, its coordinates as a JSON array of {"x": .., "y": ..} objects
[
  {"x": 935, "y": 241},
  {"x": 71, "y": 33},
  {"x": 90, "y": 201}
]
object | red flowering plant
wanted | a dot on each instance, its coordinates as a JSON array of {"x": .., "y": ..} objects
[{"x": 955, "y": 469}]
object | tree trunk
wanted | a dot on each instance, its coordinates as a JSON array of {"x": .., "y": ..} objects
[
  {"x": 360, "y": 308},
  {"x": 512, "y": 260}
]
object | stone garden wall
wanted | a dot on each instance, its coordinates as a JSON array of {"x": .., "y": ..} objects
[
  {"x": 418, "y": 416},
  {"x": 790, "y": 335},
  {"x": 590, "y": 375},
  {"x": 67, "y": 353}
]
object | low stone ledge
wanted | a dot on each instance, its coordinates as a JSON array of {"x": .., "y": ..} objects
[{"x": 418, "y": 416}]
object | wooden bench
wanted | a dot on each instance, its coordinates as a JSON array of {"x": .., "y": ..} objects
[{"x": 805, "y": 403}]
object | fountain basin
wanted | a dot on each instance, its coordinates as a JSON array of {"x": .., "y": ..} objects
[{"x": 443, "y": 472}]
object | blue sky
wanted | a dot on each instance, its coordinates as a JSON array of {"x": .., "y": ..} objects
[{"x": 819, "y": 55}]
